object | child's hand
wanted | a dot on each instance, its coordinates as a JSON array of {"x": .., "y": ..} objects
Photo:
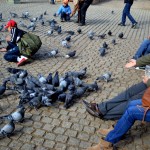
[
  {"x": 145, "y": 79},
  {"x": 8, "y": 38},
  {"x": 3, "y": 50}
]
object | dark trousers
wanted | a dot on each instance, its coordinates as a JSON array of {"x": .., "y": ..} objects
[
  {"x": 65, "y": 16},
  {"x": 83, "y": 10},
  {"x": 115, "y": 107},
  {"x": 79, "y": 11},
  {"x": 12, "y": 54}
]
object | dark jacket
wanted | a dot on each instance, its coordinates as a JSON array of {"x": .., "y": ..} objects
[
  {"x": 16, "y": 34},
  {"x": 129, "y": 1}
]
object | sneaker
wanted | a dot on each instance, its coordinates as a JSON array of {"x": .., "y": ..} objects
[
  {"x": 81, "y": 24},
  {"x": 121, "y": 24},
  {"x": 140, "y": 68},
  {"x": 22, "y": 61},
  {"x": 134, "y": 26}
]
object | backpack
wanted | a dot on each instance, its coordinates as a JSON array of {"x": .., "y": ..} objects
[
  {"x": 146, "y": 101},
  {"x": 29, "y": 44}
]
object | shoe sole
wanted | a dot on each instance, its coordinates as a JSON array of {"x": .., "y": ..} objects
[{"x": 22, "y": 63}]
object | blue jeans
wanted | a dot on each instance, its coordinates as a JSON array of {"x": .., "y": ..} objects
[
  {"x": 132, "y": 114},
  {"x": 126, "y": 12},
  {"x": 65, "y": 16},
  {"x": 144, "y": 49},
  {"x": 12, "y": 54}
]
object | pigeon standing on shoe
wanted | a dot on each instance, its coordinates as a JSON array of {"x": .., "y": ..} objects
[
  {"x": 120, "y": 35},
  {"x": 79, "y": 30},
  {"x": 105, "y": 77},
  {"x": 102, "y": 51},
  {"x": 109, "y": 33},
  {"x": 70, "y": 54},
  {"x": 8, "y": 129},
  {"x": 17, "y": 116}
]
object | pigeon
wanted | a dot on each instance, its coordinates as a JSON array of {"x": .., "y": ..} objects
[
  {"x": 1, "y": 17},
  {"x": 32, "y": 28},
  {"x": 112, "y": 12},
  {"x": 91, "y": 87},
  {"x": 54, "y": 14},
  {"x": 25, "y": 15},
  {"x": 102, "y": 51},
  {"x": 3, "y": 87},
  {"x": 40, "y": 17},
  {"x": 32, "y": 24},
  {"x": 109, "y": 33},
  {"x": 77, "y": 81},
  {"x": 68, "y": 38},
  {"x": 71, "y": 87},
  {"x": 65, "y": 44},
  {"x": 22, "y": 73},
  {"x": 45, "y": 13},
  {"x": 42, "y": 22},
  {"x": 120, "y": 35},
  {"x": 53, "y": 52},
  {"x": 59, "y": 30},
  {"x": 22, "y": 24},
  {"x": 14, "y": 15},
  {"x": 63, "y": 84},
  {"x": 49, "y": 78},
  {"x": 79, "y": 92},
  {"x": 50, "y": 32},
  {"x": 70, "y": 32},
  {"x": 102, "y": 36},
  {"x": 79, "y": 30},
  {"x": 45, "y": 101},
  {"x": 105, "y": 45},
  {"x": 17, "y": 116},
  {"x": 113, "y": 41},
  {"x": 13, "y": 70},
  {"x": 62, "y": 97},
  {"x": 41, "y": 78},
  {"x": 8, "y": 129},
  {"x": 55, "y": 80},
  {"x": 70, "y": 54},
  {"x": 91, "y": 35},
  {"x": 105, "y": 77},
  {"x": 69, "y": 100},
  {"x": 34, "y": 19},
  {"x": 1, "y": 27}
]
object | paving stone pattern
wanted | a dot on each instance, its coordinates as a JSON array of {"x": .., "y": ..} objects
[{"x": 74, "y": 129}]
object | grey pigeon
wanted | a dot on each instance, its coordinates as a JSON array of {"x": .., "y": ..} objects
[
  {"x": 69, "y": 100},
  {"x": 109, "y": 33},
  {"x": 14, "y": 15},
  {"x": 45, "y": 13},
  {"x": 63, "y": 84},
  {"x": 50, "y": 32},
  {"x": 1, "y": 17},
  {"x": 79, "y": 30},
  {"x": 13, "y": 70},
  {"x": 46, "y": 101},
  {"x": 59, "y": 30},
  {"x": 42, "y": 22},
  {"x": 80, "y": 91},
  {"x": 41, "y": 78},
  {"x": 55, "y": 80},
  {"x": 77, "y": 81},
  {"x": 65, "y": 44},
  {"x": 1, "y": 27},
  {"x": 8, "y": 129},
  {"x": 70, "y": 32},
  {"x": 3, "y": 87},
  {"x": 21, "y": 23},
  {"x": 91, "y": 35},
  {"x": 102, "y": 36},
  {"x": 34, "y": 19},
  {"x": 92, "y": 87},
  {"x": 102, "y": 51},
  {"x": 53, "y": 52},
  {"x": 40, "y": 17},
  {"x": 49, "y": 78},
  {"x": 112, "y": 12},
  {"x": 105, "y": 77},
  {"x": 68, "y": 38},
  {"x": 54, "y": 14},
  {"x": 16, "y": 116},
  {"x": 120, "y": 35},
  {"x": 70, "y": 54},
  {"x": 105, "y": 45},
  {"x": 62, "y": 97},
  {"x": 113, "y": 41}
]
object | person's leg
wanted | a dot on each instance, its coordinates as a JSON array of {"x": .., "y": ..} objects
[
  {"x": 124, "y": 15},
  {"x": 67, "y": 18},
  {"x": 63, "y": 16},
  {"x": 143, "y": 49},
  {"x": 116, "y": 106},
  {"x": 128, "y": 13},
  {"x": 12, "y": 54},
  {"x": 132, "y": 114}
]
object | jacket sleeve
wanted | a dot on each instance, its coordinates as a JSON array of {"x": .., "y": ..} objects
[
  {"x": 59, "y": 10},
  {"x": 69, "y": 10},
  {"x": 143, "y": 61}
]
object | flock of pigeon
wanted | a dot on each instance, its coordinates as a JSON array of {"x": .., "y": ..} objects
[{"x": 35, "y": 92}]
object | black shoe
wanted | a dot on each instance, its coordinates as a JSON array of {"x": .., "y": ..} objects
[
  {"x": 92, "y": 109},
  {"x": 81, "y": 24},
  {"x": 134, "y": 26},
  {"x": 121, "y": 24}
]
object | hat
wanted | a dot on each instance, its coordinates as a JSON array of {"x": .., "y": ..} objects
[
  {"x": 11, "y": 23},
  {"x": 65, "y": 2}
]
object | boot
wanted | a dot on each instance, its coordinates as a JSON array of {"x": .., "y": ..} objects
[
  {"x": 102, "y": 145},
  {"x": 104, "y": 132}
]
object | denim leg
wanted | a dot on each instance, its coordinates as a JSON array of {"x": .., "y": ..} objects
[
  {"x": 63, "y": 15},
  {"x": 115, "y": 107},
  {"x": 128, "y": 6},
  {"x": 143, "y": 49},
  {"x": 124, "y": 15},
  {"x": 67, "y": 18},
  {"x": 12, "y": 54},
  {"x": 132, "y": 114}
]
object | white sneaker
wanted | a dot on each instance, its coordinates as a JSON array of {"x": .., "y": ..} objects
[{"x": 21, "y": 60}]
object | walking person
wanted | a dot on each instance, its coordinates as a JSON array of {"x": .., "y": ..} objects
[{"x": 126, "y": 12}]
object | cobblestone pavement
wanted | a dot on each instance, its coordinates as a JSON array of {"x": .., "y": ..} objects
[{"x": 74, "y": 129}]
